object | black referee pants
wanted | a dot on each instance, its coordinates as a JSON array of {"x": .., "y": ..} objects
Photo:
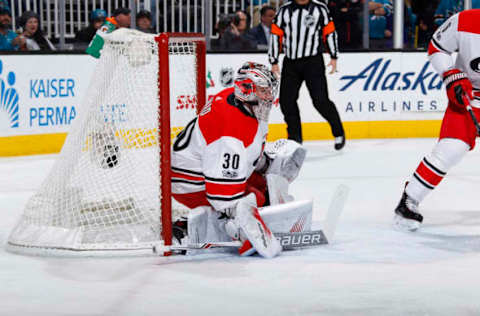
[{"x": 312, "y": 70}]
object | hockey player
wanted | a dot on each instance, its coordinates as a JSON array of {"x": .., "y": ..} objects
[
  {"x": 218, "y": 160},
  {"x": 120, "y": 18},
  {"x": 461, "y": 78}
]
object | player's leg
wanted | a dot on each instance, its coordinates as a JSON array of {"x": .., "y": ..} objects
[
  {"x": 192, "y": 200},
  {"x": 457, "y": 137},
  {"x": 247, "y": 225},
  {"x": 317, "y": 87},
  {"x": 289, "y": 90},
  {"x": 243, "y": 222}
]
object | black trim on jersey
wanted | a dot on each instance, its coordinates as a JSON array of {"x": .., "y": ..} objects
[
  {"x": 239, "y": 105},
  {"x": 439, "y": 46},
  {"x": 433, "y": 167},
  {"x": 187, "y": 171},
  {"x": 176, "y": 180},
  {"x": 231, "y": 99},
  {"x": 220, "y": 198},
  {"x": 428, "y": 186},
  {"x": 225, "y": 180}
]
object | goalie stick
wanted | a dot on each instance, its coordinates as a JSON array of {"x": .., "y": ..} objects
[{"x": 289, "y": 241}]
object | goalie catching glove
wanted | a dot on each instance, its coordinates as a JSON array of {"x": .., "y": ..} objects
[
  {"x": 459, "y": 88},
  {"x": 284, "y": 157}
]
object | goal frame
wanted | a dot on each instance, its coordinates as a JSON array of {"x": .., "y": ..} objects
[
  {"x": 163, "y": 40},
  {"x": 165, "y": 43}
]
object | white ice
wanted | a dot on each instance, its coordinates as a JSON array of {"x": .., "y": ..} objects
[{"x": 369, "y": 269}]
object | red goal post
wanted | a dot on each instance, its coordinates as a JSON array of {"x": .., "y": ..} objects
[{"x": 165, "y": 42}]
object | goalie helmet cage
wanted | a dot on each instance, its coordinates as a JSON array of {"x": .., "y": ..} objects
[{"x": 109, "y": 192}]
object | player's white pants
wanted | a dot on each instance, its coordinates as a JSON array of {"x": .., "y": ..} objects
[{"x": 432, "y": 169}]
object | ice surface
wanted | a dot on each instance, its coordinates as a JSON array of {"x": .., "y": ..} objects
[{"x": 370, "y": 269}]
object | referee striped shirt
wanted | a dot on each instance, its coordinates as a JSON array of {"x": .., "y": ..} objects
[{"x": 300, "y": 30}]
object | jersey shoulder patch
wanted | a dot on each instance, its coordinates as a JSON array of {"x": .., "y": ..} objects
[
  {"x": 224, "y": 119},
  {"x": 468, "y": 21}
]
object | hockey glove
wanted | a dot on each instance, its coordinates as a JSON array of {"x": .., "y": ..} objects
[
  {"x": 458, "y": 87},
  {"x": 287, "y": 157}
]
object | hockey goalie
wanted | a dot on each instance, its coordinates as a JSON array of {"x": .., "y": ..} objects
[{"x": 222, "y": 171}]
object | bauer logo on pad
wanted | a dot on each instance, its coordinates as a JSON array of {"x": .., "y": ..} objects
[{"x": 303, "y": 239}]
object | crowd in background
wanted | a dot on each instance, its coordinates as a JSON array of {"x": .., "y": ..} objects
[{"x": 232, "y": 32}]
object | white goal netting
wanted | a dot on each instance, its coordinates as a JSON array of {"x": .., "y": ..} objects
[{"x": 104, "y": 192}]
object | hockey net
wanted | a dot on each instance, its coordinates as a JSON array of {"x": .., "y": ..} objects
[{"x": 109, "y": 191}]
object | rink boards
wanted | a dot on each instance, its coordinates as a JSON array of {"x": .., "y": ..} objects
[{"x": 378, "y": 95}]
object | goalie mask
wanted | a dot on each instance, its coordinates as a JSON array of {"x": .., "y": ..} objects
[{"x": 256, "y": 87}]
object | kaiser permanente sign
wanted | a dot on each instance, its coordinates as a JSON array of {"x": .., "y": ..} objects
[{"x": 378, "y": 95}]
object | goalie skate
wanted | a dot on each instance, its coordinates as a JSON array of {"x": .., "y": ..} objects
[{"x": 406, "y": 214}]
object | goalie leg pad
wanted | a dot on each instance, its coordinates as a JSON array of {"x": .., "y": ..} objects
[
  {"x": 246, "y": 249},
  {"x": 254, "y": 229},
  {"x": 291, "y": 217},
  {"x": 205, "y": 226}
]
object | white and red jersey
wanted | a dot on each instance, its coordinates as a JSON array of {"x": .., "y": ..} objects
[
  {"x": 461, "y": 33},
  {"x": 218, "y": 151}
]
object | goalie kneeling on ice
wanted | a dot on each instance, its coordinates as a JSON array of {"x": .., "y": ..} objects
[{"x": 204, "y": 225}]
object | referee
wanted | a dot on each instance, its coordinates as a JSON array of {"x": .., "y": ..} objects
[{"x": 299, "y": 28}]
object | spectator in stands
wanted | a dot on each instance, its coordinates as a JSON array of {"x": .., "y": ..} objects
[
  {"x": 223, "y": 22},
  {"x": 447, "y": 8},
  {"x": 9, "y": 40},
  {"x": 236, "y": 36},
  {"x": 257, "y": 7},
  {"x": 34, "y": 38},
  {"x": 409, "y": 22},
  {"x": 119, "y": 19},
  {"x": 379, "y": 34},
  {"x": 347, "y": 16},
  {"x": 5, "y": 6},
  {"x": 425, "y": 30},
  {"x": 85, "y": 35},
  {"x": 261, "y": 33},
  {"x": 122, "y": 17},
  {"x": 144, "y": 21}
]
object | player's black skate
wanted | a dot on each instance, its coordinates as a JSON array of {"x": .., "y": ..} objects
[
  {"x": 179, "y": 230},
  {"x": 339, "y": 142},
  {"x": 407, "y": 216}
]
